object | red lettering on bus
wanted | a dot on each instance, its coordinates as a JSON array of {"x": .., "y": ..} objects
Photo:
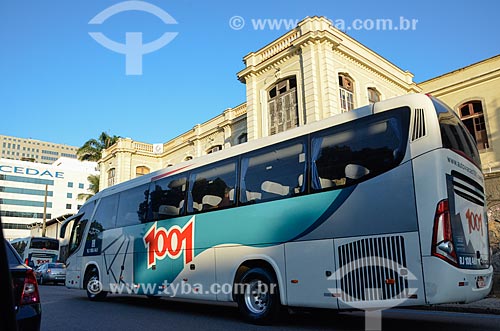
[
  {"x": 475, "y": 222},
  {"x": 161, "y": 242}
]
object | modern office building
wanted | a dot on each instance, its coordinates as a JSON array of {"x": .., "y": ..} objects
[
  {"x": 14, "y": 148},
  {"x": 24, "y": 187}
]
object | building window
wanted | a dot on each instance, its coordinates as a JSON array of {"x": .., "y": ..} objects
[
  {"x": 243, "y": 138},
  {"x": 68, "y": 206},
  {"x": 283, "y": 113},
  {"x": 79, "y": 206},
  {"x": 141, "y": 170},
  {"x": 346, "y": 88},
  {"x": 70, "y": 184},
  {"x": 214, "y": 149},
  {"x": 373, "y": 95},
  {"x": 111, "y": 176},
  {"x": 187, "y": 158},
  {"x": 471, "y": 114},
  {"x": 69, "y": 195},
  {"x": 80, "y": 185}
]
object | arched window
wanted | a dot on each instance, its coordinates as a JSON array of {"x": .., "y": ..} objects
[
  {"x": 282, "y": 106},
  {"x": 242, "y": 138},
  {"x": 471, "y": 114},
  {"x": 373, "y": 95},
  {"x": 141, "y": 170},
  {"x": 111, "y": 177},
  {"x": 346, "y": 88},
  {"x": 214, "y": 149}
]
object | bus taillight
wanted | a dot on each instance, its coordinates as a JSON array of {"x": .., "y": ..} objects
[{"x": 442, "y": 237}]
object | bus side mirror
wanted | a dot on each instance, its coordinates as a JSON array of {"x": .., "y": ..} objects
[{"x": 355, "y": 171}]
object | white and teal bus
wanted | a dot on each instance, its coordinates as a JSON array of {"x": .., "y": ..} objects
[
  {"x": 389, "y": 197},
  {"x": 36, "y": 251}
]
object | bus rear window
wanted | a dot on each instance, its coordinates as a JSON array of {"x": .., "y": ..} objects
[
  {"x": 454, "y": 134},
  {"x": 44, "y": 243}
]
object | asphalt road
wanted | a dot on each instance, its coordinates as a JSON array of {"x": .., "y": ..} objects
[{"x": 65, "y": 309}]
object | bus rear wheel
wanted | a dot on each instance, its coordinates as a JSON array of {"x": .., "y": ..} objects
[
  {"x": 93, "y": 286},
  {"x": 259, "y": 300}
]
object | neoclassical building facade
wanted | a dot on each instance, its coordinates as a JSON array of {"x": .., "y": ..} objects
[
  {"x": 474, "y": 93},
  {"x": 312, "y": 72}
]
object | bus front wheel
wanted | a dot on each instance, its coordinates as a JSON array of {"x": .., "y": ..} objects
[
  {"x": 94, "y": 286},
  {"x": 258, "y": 298}
]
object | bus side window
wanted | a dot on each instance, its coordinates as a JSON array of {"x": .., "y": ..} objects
[
  {"x": 167, "y": 197},
  {"x": 133, "y": 206},
  {"x": 212, "y": 187},
  {"x": 273, "y": 173},
  {"x": 105, "y": 215},
  {"x": 351, "y": 154}
]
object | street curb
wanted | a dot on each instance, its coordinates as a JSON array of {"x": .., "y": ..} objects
[{"x": 485, "y": 306}]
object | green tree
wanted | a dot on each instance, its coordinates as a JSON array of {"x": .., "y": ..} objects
[
  {"x": 93, "y": 188},
  {"x": 92, "y": 149}
]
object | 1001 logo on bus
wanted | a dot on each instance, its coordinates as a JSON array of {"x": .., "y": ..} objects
[
  {"x": 161, "y": 242},
  {"x": 475, "y": 221}
]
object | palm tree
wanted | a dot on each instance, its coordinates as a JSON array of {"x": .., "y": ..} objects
[
  {"x": 93, "y": 188},
  {"x": 92, "y": 149}
]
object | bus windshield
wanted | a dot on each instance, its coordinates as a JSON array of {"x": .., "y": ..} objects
[
  {"x": 45, "y": 243},
  {"x": 454, "y": 134}
]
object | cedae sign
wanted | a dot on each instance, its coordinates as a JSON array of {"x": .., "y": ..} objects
[{"x": 7, "y": 169}]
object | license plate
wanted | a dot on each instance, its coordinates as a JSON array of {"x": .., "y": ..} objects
[{"x": 480, "y": 282}]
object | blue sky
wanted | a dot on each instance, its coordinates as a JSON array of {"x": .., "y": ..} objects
[{"x": 57, "y": 84}]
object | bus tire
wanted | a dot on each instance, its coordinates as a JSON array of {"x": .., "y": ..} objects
[
  {"x": 260, "y": 301},
  {"x": 93, "y": 286}
]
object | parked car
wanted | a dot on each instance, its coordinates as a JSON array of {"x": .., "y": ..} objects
[
  {"x": 27, "y": 304},
  {"x": 51, "y": 272}
]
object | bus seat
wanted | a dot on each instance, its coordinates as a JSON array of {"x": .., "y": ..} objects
[
  {"x": 251, "y": 196},
  {"x": 211, "y": 200},
  {"x": 197, "y": 206},
  {"x": 300, "y": 181},
  {"x": 168, "y": 210},
  {"x": 326, "y": 183},
  {"x": 355, "y": 171},
  {"x": 275, "y": 188}
]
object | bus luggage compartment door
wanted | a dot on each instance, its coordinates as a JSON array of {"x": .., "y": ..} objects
[{"x": 309, "y": 269}]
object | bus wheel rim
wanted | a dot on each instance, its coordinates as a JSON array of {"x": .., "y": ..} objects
[{"x": 256, "y": 299}]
